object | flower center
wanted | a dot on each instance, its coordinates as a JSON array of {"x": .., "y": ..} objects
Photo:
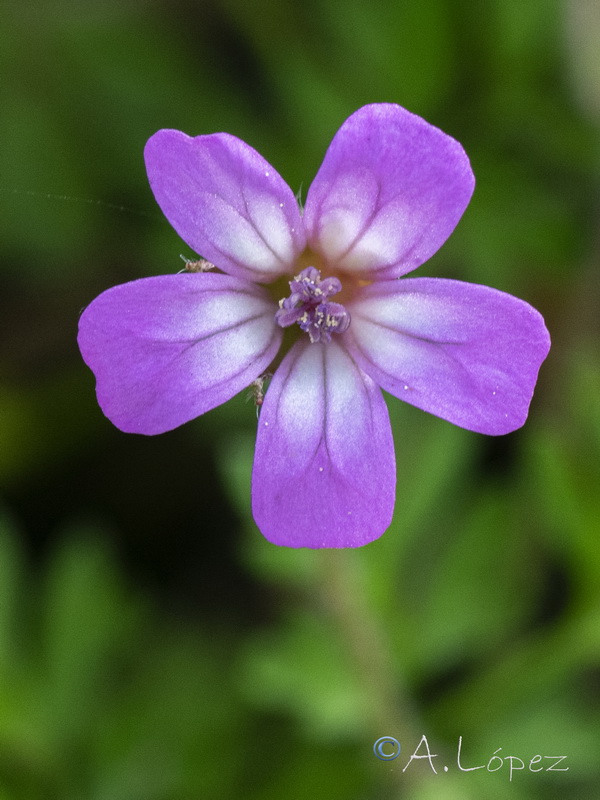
[{"x": 309, "y": 306}]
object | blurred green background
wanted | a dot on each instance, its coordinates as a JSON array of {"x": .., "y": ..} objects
[{"x": 152, "y": 645}]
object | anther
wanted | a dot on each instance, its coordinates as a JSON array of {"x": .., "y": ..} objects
[{"x": 309, "y": 307}]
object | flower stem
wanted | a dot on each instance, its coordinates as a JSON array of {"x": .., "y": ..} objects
[{"x": 345, "y": 598}]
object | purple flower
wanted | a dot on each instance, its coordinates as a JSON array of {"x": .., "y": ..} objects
[{"x": 389, "y": 193}]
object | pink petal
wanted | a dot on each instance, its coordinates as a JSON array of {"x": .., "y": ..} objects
[
  {"x": 389, "y": 193},
  {"x": 464, "y": 352},
  {"x": 226, "y": 202},
  {"x": 166, "y": 349},
  {"x": 324, "y": 469}
]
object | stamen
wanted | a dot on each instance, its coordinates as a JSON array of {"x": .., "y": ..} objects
[{"x": 309, "y": 307}]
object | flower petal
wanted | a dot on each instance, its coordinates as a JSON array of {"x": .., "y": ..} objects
[
  {"x": 324, "y": 469},
  {"x": 389, "y": 193},
  {"x": 166, "y": 349},
  {"x": 226, "y": 202},
  {"x": 467, "y": 353}
]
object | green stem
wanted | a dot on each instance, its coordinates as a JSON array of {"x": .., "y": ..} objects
[{"x": 345, "y": 598}]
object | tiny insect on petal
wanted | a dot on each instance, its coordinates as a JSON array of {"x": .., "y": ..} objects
[{"x": 200, "y": 265}]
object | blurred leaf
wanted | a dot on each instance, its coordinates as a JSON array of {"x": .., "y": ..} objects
[
  {"x": 303, "y": 671},
  {"x": 566, "y": 477},
  {"x": 469, "y": 606},
  {"x": 88, "y": 618}
]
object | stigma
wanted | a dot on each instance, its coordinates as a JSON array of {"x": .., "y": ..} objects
[{"x": 309, "y": 306}]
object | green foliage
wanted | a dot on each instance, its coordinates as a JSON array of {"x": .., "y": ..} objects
[
  {"x": 152, "y": 644},
  {"x": 100, "y": 696}
]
